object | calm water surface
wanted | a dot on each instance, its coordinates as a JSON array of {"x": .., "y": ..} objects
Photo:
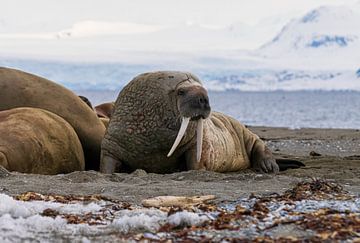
[{"x": 335, "y": 109}]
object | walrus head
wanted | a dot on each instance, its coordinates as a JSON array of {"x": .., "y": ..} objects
[{"x": 193, "y": 104}]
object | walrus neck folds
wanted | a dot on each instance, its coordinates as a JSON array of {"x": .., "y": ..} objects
[{"x": 181, "y": 133}]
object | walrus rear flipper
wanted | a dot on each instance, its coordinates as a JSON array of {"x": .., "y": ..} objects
[{"x": 285, "y": 164}]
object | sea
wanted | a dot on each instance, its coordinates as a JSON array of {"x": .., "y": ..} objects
[
  {"x": 292, "y": 109},
  {"x": 102, "y": 82}
]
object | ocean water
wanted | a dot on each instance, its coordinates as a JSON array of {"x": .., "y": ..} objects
[{"x": 296, "y": 109}]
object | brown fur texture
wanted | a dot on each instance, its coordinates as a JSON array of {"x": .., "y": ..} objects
[
  {"x": 104, "y": 110},
  {"x": 86, "y": 100},
  {"x": 147, "y": 118},
  {"x": 21, "y": 89},
  {"x": 37, "y": 141},
  {"x": 105, "y": 121}
]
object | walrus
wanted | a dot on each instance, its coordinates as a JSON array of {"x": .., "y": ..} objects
[
  {"x": 37, "y": 141},
  {"x": 104, "y": 110},
  {"x": 162, "y": 122},
  {"x": 105, "y": 121},
  {"x": 86, "y": 100},
  {"x": 21, "y": 89}
]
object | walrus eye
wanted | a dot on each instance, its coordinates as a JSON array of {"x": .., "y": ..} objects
[{"x": 180, "y": 92}]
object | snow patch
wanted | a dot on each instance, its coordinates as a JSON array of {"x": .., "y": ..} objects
[
  {"x": 17, "y": 209},
  {"x": 22, "y": 220},
  {"x": 139, "y": 220},
  {"x": 186, "y": 219},
  {"x": 19, "y": 229}
]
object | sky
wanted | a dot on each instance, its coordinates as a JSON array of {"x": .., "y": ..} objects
[
  {"x": 105, "y": 29},
  {"x": 48, "y": 15}
]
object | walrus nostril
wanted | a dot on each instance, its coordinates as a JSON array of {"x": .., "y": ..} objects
[{"x": 203, "y": 102}]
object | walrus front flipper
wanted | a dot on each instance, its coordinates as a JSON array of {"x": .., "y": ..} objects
[{"x": 285, "y": 164}]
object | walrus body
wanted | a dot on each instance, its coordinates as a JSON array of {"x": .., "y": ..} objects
[
  {"x": 104, "y": 110},
  {"x": 20, "y": 89},
  {"x": 240, "y": 148},
  {"x": 105, "y": 121},
  {"x": 37, "y": 141},
  {"x": 151, "y": 110}
]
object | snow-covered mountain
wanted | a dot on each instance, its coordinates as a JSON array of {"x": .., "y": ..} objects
[
  {"x": 326, "y": 36},
  {"x": 319, "y": 50}
]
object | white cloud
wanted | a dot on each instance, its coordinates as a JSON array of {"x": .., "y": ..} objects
[
  {"x": 56, "y": 15},
  {"x": 102, "y": 29},
  {"x": 93, "y": 28}
]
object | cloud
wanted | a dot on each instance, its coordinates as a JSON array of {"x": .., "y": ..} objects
[{"x": 93, "y": 28}]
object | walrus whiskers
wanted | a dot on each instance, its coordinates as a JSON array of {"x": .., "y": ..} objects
[
  {"x": 184, "y": 125},
  {"x": 199, "y": 138}
]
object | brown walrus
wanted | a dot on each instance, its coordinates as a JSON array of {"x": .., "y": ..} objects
[
  {"x": 156, "y": 109},
  {"x": 86, "y": 100},
  {"x": 105, "y": 121},
  {"x": 104, "y": 110},
  {"x": 21, "y": 89},
  {"x": 37, "y": 141}
]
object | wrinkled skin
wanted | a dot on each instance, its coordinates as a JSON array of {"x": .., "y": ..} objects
[
  {"x": 37, "y": 141},
  {"x": 230, "y": 146},
  {"x": 147, "y": 117},
  {"x": 21, "y": 89}
]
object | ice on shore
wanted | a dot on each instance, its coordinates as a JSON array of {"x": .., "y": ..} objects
[
  {"x": 148, "y": 220},
  {"x": 21, "y": 220},
  {"x": 17, "y": 209}
]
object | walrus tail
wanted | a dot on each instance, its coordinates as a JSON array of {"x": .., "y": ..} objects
[{"x": 285, "y": 164}]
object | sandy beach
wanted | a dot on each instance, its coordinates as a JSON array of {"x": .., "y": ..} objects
[
  {"x": 338, "y": 160},
  {"x": 329, "y": 154}
]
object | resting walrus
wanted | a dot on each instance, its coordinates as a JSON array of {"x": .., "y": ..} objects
[
  {"x": 156, "y": 109},
  {"x": 20, "y": 89},
  {"x": 37, "y": 141},
  {"x": 105, "y": 109},
  {"x": 104, "y": 112}
]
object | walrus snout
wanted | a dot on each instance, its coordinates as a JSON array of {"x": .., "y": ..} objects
[
  {"x": 194, "y": 102},
  {"x": 201, "y": 107}
]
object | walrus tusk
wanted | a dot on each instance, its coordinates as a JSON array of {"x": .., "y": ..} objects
[
  {"x": 199, "y": 139},
  {"x": 184, "y": 125}
]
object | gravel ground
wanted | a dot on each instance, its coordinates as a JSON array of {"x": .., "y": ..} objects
[{"x": 332, "y": 154}]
